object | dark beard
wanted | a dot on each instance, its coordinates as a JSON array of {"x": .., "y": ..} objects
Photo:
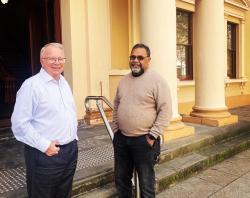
[{"x": 136, "y": 74}]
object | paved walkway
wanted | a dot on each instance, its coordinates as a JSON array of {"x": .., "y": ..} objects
[
  {"x": 228, "y": 179},
  {"x": 95, "y": 154}
]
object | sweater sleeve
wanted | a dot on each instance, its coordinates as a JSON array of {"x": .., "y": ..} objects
[
  {"x": 114, "y": 125},
  {"x": 163, "y": 108}
]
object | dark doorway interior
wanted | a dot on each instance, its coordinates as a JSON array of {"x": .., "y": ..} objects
[{"x": 26, "y": 25}]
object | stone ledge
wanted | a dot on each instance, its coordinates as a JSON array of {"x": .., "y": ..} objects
[
  {"x": 217, "y": 122},
  {"x": 169, "y": 135}
]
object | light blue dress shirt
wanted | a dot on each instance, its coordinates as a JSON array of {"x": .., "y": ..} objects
[{"x": 44, "y": 111}]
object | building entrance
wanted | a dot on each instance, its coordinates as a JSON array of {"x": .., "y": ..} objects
[{"x": 26, "y": 25}]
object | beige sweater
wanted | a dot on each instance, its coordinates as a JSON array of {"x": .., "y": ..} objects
[{"x": 142, "y": 105}]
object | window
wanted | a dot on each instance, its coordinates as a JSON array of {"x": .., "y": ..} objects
[
  {"x": 231, "y": 50},
  {"x": 184, "y": 48}
]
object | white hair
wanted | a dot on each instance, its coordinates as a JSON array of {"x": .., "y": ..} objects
[{"x": 58, "y": 45}]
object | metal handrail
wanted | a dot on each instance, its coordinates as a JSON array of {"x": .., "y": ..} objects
[
  {"x": 99, "y": 105},
  {"x": 103, "y": 98},
  {"x": 98, "y": 100}
]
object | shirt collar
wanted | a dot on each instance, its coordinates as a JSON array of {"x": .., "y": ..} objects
[{"x": 46, "y": 77}]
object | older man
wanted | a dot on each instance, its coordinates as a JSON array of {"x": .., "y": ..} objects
[
  {"x": 142, "y": 109},
  {"x": 44, "y": 118}
]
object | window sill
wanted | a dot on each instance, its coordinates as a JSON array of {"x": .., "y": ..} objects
[
  {"x": 241, "y": 81},
  {"x": 185, "y": 83}
]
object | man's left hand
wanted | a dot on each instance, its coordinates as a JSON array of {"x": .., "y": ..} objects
[{"x": 150, "y": 140}]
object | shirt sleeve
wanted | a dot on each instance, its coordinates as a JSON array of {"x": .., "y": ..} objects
[
  {"x": 114, "y": 125},
  {"x": 22, "y": 118},
  {"x": 163, "y": 108}
]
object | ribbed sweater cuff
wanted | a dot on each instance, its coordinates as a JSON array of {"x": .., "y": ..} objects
[{"x": 154, "y": 134}]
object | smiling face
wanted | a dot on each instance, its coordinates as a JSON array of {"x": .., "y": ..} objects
[
  {"x": 139, "y": 61},
  {"x": 52, "y": 61}
]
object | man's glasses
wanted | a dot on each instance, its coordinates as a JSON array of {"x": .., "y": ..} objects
[
  {"x": 53, "y": 60},
  {"x": 139, "y": 58}
]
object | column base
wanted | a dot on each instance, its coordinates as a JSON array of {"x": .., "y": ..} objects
[
  {"x": 177, "y": 129},
  {"x": 211, "y": 116},
  {"x": 210, "y": 112},
  {"x": 218, "y": 122}
]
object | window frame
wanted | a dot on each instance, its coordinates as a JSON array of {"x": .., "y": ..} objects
[
  {"x": 233, "y": 52},
  {"x": 188, "y": 47}
]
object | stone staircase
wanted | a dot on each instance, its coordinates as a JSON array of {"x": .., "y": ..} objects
[{"x": 179, "y": 159}]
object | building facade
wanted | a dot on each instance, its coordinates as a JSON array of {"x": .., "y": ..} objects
[{"x": 200, "y": 47}]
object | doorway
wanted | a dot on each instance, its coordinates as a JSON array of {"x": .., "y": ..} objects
[{"x": 26, "y": 25}]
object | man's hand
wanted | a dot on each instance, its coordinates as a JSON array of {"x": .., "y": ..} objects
[
  {"x": 150, "y": 141},
  {"x": 53, "y": 149}
]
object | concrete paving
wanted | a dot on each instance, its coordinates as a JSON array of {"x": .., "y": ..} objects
[
  {"x": 228, "y": 179},
  {"x": 95, "y": 154},
  {"x": 95, "y": 150}
]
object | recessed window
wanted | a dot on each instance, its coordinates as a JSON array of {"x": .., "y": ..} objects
[
  {"x": 231, "y": 50},
  {"x": 184, "y": 48}
]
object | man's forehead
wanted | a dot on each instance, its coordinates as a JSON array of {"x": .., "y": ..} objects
[
  {"x": 52, "y": 49},
  {"x": 139, "y": 51}
]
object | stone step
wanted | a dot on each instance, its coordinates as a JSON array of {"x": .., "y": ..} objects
[
  {"x": 182, "y": 167},
  {"x": 179, "y": 159},
  {"x": 6, "y": 134},
  {"x": 107, "y": 191},
  {"x": 204, "y": 136}
]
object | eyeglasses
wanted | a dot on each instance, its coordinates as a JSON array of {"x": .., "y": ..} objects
[
  {"x": 139, "y": 58},
  {"x": 53, "y": 60}
]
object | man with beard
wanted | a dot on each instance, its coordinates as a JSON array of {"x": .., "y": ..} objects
[{"x": 142, "y": 110}]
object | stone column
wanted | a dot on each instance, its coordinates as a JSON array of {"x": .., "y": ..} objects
[
  {"x": 210, "y": 105},
  {"x": 74, "y": 39},
  {"x": 86, "y": 37},
  {"x": 158, "y": 31}
]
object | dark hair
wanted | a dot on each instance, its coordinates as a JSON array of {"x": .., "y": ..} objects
[{"x": 141, "y": 45}]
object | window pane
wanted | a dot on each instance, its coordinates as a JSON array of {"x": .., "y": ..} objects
[
  {"x": 182, "y": 27},
  {"x": 181, "y": 61},
  {"x": 229, "y": 36},
  {"x": 231, "y": 50},
  {"x": 184, "y": 45}
]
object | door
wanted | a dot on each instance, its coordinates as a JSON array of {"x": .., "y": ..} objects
[{"x": 26, "y": 25}]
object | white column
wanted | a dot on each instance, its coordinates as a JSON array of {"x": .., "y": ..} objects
[
  {"x": 99, "y": 46},
  {"x": 74, "y": 39},
  {"x": 86, "y": 37},
  {"x": 209, "y": 59},
  {"x": 158, "y": 31}
]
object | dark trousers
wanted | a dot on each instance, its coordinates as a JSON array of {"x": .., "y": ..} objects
[
  {"x": 50, "y": 177},
  {"x": 130, "y": 153}
]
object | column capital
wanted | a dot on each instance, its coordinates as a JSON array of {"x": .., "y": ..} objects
[{"x": 242, "y": 21}]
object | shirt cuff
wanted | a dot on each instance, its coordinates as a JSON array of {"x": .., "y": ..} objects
[{"x": 43, "y": 145}]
